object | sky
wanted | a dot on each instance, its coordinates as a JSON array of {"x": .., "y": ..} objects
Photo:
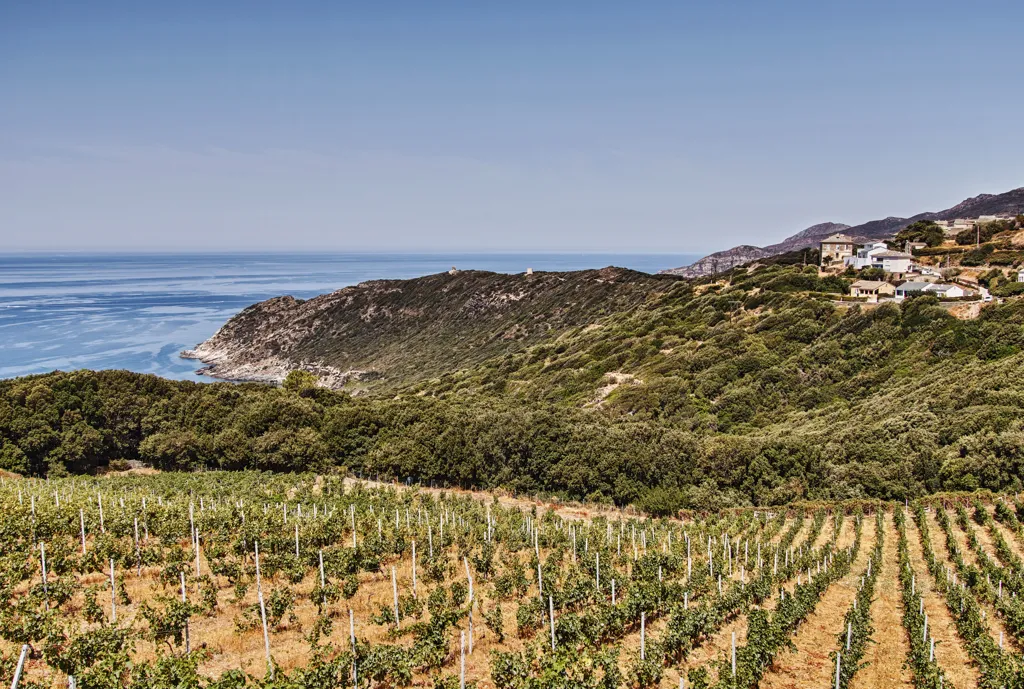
[{"x": 495, "y": 126}]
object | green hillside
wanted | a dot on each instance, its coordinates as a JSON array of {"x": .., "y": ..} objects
[{"x": 759, "y": 390}]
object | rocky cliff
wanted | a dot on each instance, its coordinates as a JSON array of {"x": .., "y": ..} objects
[{"x": 389, "y": 332}]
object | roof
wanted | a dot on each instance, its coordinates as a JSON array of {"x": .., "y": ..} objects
[
  {"x": 838, "y": 239},
  {"x": 868, "y": 284},
  {"x": 892, "y": 254},
  {"x": 914, "y": 286},
  {"x": 942, "y": 288}
]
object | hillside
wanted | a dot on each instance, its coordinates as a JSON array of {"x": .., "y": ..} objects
[
  {"x": 390, "y": 332},
  {"x": 983, "y": 204},
  {"x": 757, "y": 390}
]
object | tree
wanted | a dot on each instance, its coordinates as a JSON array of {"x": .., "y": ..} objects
[
  {"x": 299, "y": 380},
  {"x": 921, "y": 231}
]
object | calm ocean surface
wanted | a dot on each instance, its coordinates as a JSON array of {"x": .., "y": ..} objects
[{"x": 137, "y": 311}]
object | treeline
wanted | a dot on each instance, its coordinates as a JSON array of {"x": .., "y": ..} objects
[{"x": 752, "y": 392}]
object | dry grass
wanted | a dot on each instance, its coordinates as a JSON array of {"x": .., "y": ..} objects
[
  {"x": 809, "y": 665},
  {"x": 950, "y": 653},
  {"x": 993, "y": 623},
  {"x": 886, "y": 656}
]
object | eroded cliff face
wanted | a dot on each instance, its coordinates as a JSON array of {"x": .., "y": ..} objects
[{"x": 389, "y": 333}]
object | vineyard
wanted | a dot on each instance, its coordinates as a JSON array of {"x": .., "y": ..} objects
[{"x": 248, "y": 579}]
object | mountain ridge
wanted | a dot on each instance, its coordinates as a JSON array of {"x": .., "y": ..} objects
[{"x": 983, "y": 204}]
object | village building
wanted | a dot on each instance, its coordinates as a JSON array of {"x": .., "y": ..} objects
[
  {"x": 872, "y": 289},
  {"x": 836, "y": 248},
  {"x": 940, "y": 290},
  {"x": 1020, "y": 276},
  {"x": 893, "y": 262},
  {"x": 864, "y": 257},
  {"x": 947, "y": 291}
]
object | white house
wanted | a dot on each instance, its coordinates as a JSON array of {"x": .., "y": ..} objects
[
  {"x": 1020, "y": 276},
  {"x": 864, "y": 258},
  {"x": 910, "y": 287},
  {"x": 893, "y": 261},
  {"x": 947, "y": 291},
  {"x": 940, "y": 290}
]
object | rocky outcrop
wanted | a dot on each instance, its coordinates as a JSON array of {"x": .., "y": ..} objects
[{"x": 387, "y": 333}]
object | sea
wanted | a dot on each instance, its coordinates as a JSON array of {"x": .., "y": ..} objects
[{"x": 67, "y": 311}]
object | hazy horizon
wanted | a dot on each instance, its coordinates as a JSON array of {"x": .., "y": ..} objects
[{"x": 565, "y": 127}]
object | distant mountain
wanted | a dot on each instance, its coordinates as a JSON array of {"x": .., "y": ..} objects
[
  {"x": 983, "y": 204},
  {"x": 736, "y": 256}
]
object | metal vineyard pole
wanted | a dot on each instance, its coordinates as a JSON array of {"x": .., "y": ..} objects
[
  {"x": 734, "y": 655},
  {"x": 414, "y": 569},
  {"x": 323, "y": 581},
  {"x": 394, "y": 589},
  {"x": 263, "y": 613},
  {"x": 81, "y": 521},
  {"x": 46, "y": 591},
  {"x": 185, "y": 600},
  {"x": 21, "y": 666},
  {"x": 551, "y": 614},
  {"x": 462, "y": 660},
  {"x": 643, "y": 635},
  {"x": 838, "y": 662},
  {"x": 113, "y": 591},
  {"x": 352, "y": 636}
]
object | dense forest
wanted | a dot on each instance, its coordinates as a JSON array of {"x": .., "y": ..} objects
[{"x": 757, "y": 389}]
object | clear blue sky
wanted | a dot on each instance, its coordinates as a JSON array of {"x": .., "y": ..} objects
[{"x": 477, "y": 125}]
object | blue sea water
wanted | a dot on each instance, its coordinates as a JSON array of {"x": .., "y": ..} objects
[{"x": 138, "y": 311}]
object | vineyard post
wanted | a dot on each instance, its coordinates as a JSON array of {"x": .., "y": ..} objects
[
  {"x": 81, "y": 522},
  {"x": 263, "y": 613},
  {"x": 414, "y": 569},
  {"x": 689, "y": 562},
  {"x": 643, "y": 635},
  {"x": 21, "y": 666},
  {"x": 686, "y": 600},
  {"x": 597, "y": 569},
  {"x": 198, "y": 572},
  {"x": 296, "y": 540},
  {"x": 551, "y": 615},
  {"x": 138, "y": 551},
  {"x": 540, "y": 583},
  {"x": 734, "y": 655},
  {"x": 352, "y": 514},
  {"x": 838, "y": 661},
  {"x": 99, "y": 500},
  {"x": 471, "y": 628},
  {"x": 462, "y": 660},
  {"x": 323, "y": 581},
  {"x": 71, "y": 682},
  {"x": 352, "y": 635},
  {"x": 113, "y": 592},
  {"x": 849, "y": 628},
  {"x": 430, "y": 541},
  {"x": 46, "y": 592},
  {"x": 394, "y": 589},
  {"x": 184, "y": 599}
]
